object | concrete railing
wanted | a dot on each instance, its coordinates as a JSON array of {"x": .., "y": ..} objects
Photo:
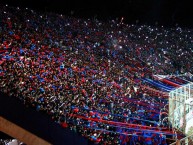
[
  {"x": 27, "y": 120},
  {"x": 19, "y": 133}
]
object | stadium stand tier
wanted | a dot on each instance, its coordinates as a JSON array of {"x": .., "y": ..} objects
[{"x": 67, "y": 79}]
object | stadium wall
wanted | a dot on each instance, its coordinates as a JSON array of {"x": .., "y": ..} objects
[{"x": 37, "y": 123}]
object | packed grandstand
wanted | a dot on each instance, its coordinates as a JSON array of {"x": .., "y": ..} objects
[{"x": 101, "y": 79}]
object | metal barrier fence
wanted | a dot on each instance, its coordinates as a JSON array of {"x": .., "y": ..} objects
[{"x": 185, "y": 141}]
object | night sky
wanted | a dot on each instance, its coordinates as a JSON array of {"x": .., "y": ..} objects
[{"x": 162, "y": 12}]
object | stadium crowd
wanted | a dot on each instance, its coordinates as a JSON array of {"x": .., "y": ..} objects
[{"x": 88, "y": 74}]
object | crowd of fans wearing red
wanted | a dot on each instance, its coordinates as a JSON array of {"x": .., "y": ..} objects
[{"x": 86, "y": 73}]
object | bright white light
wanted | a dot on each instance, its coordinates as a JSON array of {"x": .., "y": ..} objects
[
  {"x": 28, "y": 20},
  {"x": 40, "y": 16},
  {"x": 6, "y": 5},
  {"x": 18, "y": 8},
  {"x": 5, "y": 12}
]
